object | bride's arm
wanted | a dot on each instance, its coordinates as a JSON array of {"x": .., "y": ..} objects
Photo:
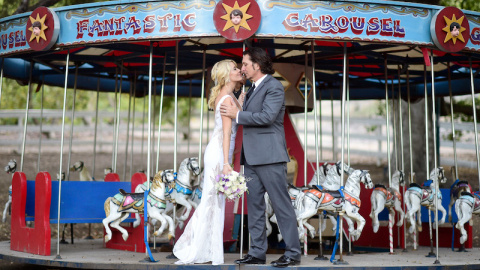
[{"x": 227, "y": 133}]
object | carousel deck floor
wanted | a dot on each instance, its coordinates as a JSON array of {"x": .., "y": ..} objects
[{"x": 90, "y": 254}]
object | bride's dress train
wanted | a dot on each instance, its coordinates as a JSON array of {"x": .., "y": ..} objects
[{"x": 202, "y": 239}]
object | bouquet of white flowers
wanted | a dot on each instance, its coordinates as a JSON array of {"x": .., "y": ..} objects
[{"x": 232, "y": 185}]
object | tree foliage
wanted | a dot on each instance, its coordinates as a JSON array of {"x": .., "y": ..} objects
[{"x": 473, "y": 5}]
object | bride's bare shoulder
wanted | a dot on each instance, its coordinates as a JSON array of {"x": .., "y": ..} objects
[{"x": 219, "y": 97}]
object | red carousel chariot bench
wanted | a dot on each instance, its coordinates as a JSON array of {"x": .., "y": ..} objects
[{"x": 81, "y": 202}]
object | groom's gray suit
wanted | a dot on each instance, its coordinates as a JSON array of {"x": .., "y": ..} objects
[{"x": 264, "y": 154}]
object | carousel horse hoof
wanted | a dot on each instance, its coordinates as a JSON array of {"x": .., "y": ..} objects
[
  {"x": 170, "y": 237},
  {"x": 125, "y": 237}
]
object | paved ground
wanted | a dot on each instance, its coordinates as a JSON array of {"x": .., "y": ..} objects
[{"x": 90, "y": 254}]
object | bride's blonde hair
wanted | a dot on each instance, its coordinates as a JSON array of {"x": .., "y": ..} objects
[{"x": 220, "y": 76}]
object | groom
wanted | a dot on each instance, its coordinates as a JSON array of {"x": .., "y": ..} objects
[{"x": 265, "y": 157}]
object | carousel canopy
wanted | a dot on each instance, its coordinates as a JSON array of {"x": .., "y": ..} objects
[{"x": 108, "y": 45}]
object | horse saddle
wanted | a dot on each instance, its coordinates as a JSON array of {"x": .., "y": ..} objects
[
  {"x": 130, "y": 200},
  {"x": 297, "y": 188},
  {"x": 415, "y": 185},
  {"x": 335, "y": 194},
  {"x": 464, "y": 193}
]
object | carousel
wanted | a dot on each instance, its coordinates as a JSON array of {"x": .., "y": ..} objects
[{"x": 322, "y": 51}]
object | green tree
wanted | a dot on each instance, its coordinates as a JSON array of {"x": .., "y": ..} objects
[{"x": 473, "y": 5}]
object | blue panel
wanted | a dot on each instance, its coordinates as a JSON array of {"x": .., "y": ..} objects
[
  {"x": 383, "y": 215},
  {"x": 81, "y": 202}
]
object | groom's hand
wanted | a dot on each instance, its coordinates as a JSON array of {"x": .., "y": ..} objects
[{"x": 229, "y": 109}]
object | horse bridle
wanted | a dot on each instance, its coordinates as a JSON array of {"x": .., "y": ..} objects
[
  {"x": 190, "y": 166},
  {"x": 441, "y": 174},
  {"x": 13, "y": 169},
  {"x": 79, "y": 167},
  {"x": 324, "y": 165},
  {"x": 164, "y": 175},
  {"x": 363, "y": 174}
]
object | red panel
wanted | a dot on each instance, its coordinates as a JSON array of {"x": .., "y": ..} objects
[
  {"x": 135, "y": 241},
  {"x": 112, "y": 177},
  {"x": 32, "y": 240},
  {"x": 379, "y": 239},
  {"x": 444, "y": 236}
]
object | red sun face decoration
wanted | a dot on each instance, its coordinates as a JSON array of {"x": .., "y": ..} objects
[
  {"x": 450, "y": 29},
  {"x": 237, "y": 20},
  {"x": 42, "y": 29}
]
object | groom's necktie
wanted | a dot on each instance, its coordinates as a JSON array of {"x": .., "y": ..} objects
[{"x": 250, "y": 92}]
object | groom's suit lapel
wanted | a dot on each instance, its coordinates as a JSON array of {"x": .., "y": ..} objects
[{"x": 258, "y": 89}]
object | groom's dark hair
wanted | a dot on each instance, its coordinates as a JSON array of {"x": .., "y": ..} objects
[{"x": 261, "y": 57}]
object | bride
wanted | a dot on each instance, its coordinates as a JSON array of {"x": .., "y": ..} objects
[{"x": 202, "y": 239}]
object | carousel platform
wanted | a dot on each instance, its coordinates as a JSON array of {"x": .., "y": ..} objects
[{"x": 90, "y": 254}]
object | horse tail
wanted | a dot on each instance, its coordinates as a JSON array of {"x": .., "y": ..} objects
[
  {"x": 458, "y": 208},
  {"x": 408, "y": 203},
  {"x": 106, "y": 206},
  {"x": 299, "y": 202}
]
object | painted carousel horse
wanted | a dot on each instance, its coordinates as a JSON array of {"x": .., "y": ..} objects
[
  {"x": 387, "y": 197},
  {"x": 293, "y": 191},
  {"x": 181, "y": 193},
  {"x": 457, "y": 188},
  {"x": 10, "y": 168},
  {"x": 61, "y": 178},
  {"x": 80, "y": 167},
  {"x": 325, "y": 171},
  {"x": 141, "y": 188},
  {"x": 329, "y": 176},
  {"x": 118, "y": 207},
  {"x": 321, "y": 173},
  {"x": 195, "y": 198},
  {"x": 347, "y": 200},
  {"x": 465, "y": 206},
  {"x": 417, "y": 196}
]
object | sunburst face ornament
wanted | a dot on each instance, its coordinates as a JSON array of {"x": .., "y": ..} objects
[
  {"x": 237, "y": 20},
  {"x": 38, "y": 28},
  {"x": 236, "y": 16},
  {"x": 42, "y": 28},
  {"x": 454, "y": 29},
  {"x": 449, "y": 33}
]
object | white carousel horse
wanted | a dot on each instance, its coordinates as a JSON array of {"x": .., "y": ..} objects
[
  {"x": 293, "y": 191},
  {"x": 195, "y": 200},
  {"x": 456, "y": 190},
  {"x": 62, "y": 178},
  {"x": 415, "y": 196},
  {"x": 322, "y": 174},
  {"x": 329, "y": 176},
  {"x": 387, "y": 197},
  {"x": 348, "y": 200},
  {"x": 84, "y": 173},
  {"x": 465, "y": 206},
  {"x": 118, "y": 207},
  {"x": 181, "y": 193},
  {"x": 10, "y": 168}
]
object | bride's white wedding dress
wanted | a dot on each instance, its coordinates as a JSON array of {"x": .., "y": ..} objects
[{"x": 202, "y": 239}]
